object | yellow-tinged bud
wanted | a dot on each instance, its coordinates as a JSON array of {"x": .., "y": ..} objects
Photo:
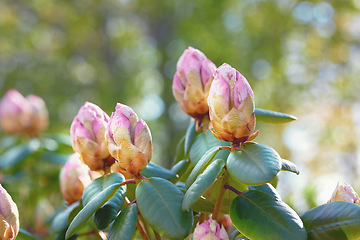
[
  {"x": 231, "y": 106},
  {"x": 9, "y": 216},
  {"x": 129, "y": 141}
]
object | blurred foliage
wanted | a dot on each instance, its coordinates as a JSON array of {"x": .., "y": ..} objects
[{"x": 302, "y": 58}]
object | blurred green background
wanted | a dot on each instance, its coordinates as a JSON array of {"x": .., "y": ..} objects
[{"x": 300, "y": 57}]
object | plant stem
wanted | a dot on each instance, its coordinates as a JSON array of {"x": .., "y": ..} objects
[
  {"x": 157, "y": 235},
  {"x": 141, "y": 230},
  {"x": 146, "y": 227},
  {"x": 220, "y": 197},
  {"x": 232, "y": 189}
]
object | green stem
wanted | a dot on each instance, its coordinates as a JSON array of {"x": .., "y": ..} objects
[{"x": 220, "y": 198}]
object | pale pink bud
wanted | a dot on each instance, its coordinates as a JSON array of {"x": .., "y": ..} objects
[
  {"x": 74, "y": 177},
  {"x": 129, "y": 141},
  {"x": 191, "y": 84},
  {"x": 87, "y": 133},
  {"x": 344, "y": 192},
  {"x": 40, "y": 118},
  {"x": 231, "y": 106},
  {"x": 9, "y": 216},
  {"x": 209, "y": 230},
  {"x": 20, "y": 115}
]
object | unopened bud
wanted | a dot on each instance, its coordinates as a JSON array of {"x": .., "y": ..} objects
[
  {"x": 74, "y": 177},
  {"x": 192, "y": 81},
  {"x": 344, "y": 192},
  {"x": 20, "y": 115},
  {"x": 209, "y": 230},
  {"x": 87, "y": 133},
  {"x": 9, "y": 216},
  {"x": 231, "y": 106},
  {"x": 129, "y": 140}
]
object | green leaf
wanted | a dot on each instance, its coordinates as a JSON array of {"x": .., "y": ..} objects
[
  {"x": 254, "y": 164},
  {"x": 260, "y": 216},
  {"x": 201, "y": 165},
  {"x": 289, "y": 166},
  {"x": 154, "y": 170},
  {"x": 125, "y": 224},
  {"x": 17, "y": 154},
  {"x": 268, "y": 116},
  {"x": 203, "y": 142},
  {"x": 90, "y": 208},
  {"x": 107, "y": 213},
  {"x": 202, "y": 183},
  {"x": 25, "y": 235},
  {"x": 60, "y": 222},
  {"x": 202, "y": 205},
  {"x": 159, "y": 202},
  {"x": 189, "y": 137},
  {"x": 180, "y": 150},
  {"x": 268, "y": 189},
  {"x": 334, "y": 220}
]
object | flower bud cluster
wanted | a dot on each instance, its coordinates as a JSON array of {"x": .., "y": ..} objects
[
  {"x": 20, "y": 115},
  {"x": 221, "y": 94},
  {"x": 122, "y": 142}
]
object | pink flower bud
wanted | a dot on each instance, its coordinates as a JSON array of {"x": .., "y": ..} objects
[
  {"x": 191, "y": 84},
  {"x": 344, "y": 192},
  {"x": 74, "y": 177},
  {"x": 87, "y": 133},
  {"x": 20, "y": 115},
  {"x": 231, "y": 106},
  {"x": 129, "y": 141},
  {"x": 209, "y": 230},
  {"x": 40, "y": 118},
  {"x": 9, "y": 216}
]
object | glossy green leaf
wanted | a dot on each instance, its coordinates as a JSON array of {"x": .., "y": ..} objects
[
  {"x": 125, "y": 224},
  {"x": 60, "y": 222},
  {"x": 189, "y": 137},
  {"x": 202, "y": 183},
  {"x": 260, "y": 216},
  {"x": 179, "y": 155},
  {"x": 254, "y": 164},
  {"x": 179, "y": 166},
  {"x": 154, "y": 170},
  {"x": 268, "y": 116},
  {"x": 90, "y": 208},
  {"x": 268, "y": 189},
  {"x": 18, "y": 153},
  {"x": 201, "y": 165},
  {"x": 159, "y": 202},
  {"x": 203, "y": 142},
  {"x": 289, "y": 166},
  {"x": 99, "y": 184},
  {"x": 107, "y": 213},
  {"x": 202, "y": 205},
  {"x": 334, "y": 220}
]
